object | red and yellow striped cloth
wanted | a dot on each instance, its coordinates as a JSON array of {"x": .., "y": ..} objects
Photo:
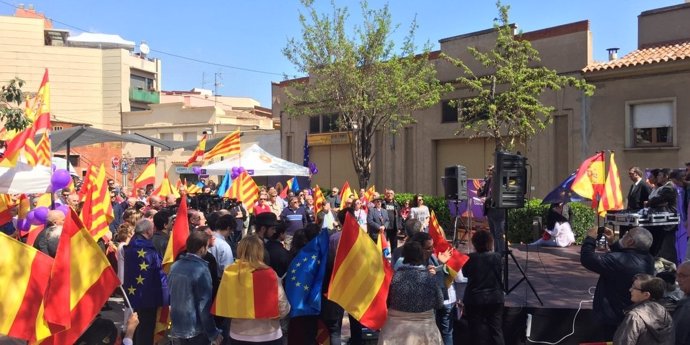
[
  {"x": 457, "y": 259},
  {"x": 612, "y": 198},
  {"x": 318, "y": 199},
  {"x": 166, "y": 188},
  {"x": 97, "y": 212},
  {"x": 230, "y": 145},
  {"x": 245, "y": 190},
  {"x": 198, "y": 154},
  {"x": 247, "y": 294}
]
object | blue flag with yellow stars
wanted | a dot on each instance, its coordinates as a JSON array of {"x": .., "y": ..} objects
[
  {"x": 305, "y": 277},
  {"x": 144, "y": 282}
]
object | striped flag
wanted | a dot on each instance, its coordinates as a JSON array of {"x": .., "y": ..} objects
[
  {"x": 97, "y": 212},
  {"x": 288, "y": 187},
  {"x": 361, "y": 292},
  {"x": 166, "y": 188},
  {"x": 23, "y": 275},
  {"x": 198, "y": 154},
  {"x": 43, "y": 151},
  {"x": 245, "y": 190},
  {"x": 589, "y": 181},
  {"x": 81, "y": 281},
  {"x": 369, "y": 194},
  {"x": 345, "y": 194},
  {"x": 457, "y": 259},
  {"x": 612, "y": 198},
  {"x": 147, "y": 175},
  {"x": 178, "y": 239},
  {"x": 6, "y": 206},
  {"x": 193, "y": 189},
  {"x": 225, "y": 184},
  {"x": 89, "y": 179},
  {"x": 230, "y": 145},
  {"x": 246, "y": 293},
  {"x": 318, "y": 199}
]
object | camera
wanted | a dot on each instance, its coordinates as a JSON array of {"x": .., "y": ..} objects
[{"x": 600, "y": 231}]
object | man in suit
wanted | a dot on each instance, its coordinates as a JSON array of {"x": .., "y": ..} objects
[
  {"x": 637, "y": 196},
  {"x": 377, "y": 219},
  {"x": 664, "y": 199}
]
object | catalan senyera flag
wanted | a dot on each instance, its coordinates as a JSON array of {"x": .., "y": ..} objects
[
  {"x": 230, "y": 145},
  {"x": 166, "y": 188},
  {"x": 147, "y": 175},
  {"x": 589, "y": 181},
  {"x": 89, "y": 179},
  {"x": 361, "y": 292},
  {"x": 23, "y": 273},
  {"x": 193, "y": 189},
  {"x": 457, "y": 259},
  {"x": 245, "y": 293},
  {"x": 245, "y": 190},
  {"x": 178, "y": 239},
  {"x": 345, "y": 193},
  {"x": 318, "y": 198},
  {"x": 198, "y": 154},
  {"x": 369, "y": 194},
  {"x": 22, "y": 144},
  {"x": 43, "y": 151},
  {"x": 286, "y": 189},
  {"x": 612, "y": 198},
  {"x": 6, "y": 205},
  {"x": 97, "y": 212},
  {"x": 81, "y": 281}
]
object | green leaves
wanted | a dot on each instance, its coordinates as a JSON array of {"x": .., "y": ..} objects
[{"x": 11, "y": 106}]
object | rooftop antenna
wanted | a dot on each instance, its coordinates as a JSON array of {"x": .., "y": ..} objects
[{"x": 218, "y": 77}]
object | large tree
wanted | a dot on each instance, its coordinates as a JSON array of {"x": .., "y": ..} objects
[
  {"x": 505, "y": 103},
  {"x": 361, "y": 76},
  {"x": 12, "y": 106}
]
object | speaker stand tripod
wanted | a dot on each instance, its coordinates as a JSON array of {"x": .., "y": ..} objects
[{"x": 506, "y": 253}]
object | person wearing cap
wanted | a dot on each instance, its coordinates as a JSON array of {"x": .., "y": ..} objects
[{"x": 377, "y": 219}]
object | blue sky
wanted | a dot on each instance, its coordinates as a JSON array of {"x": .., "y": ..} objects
[{"x": 250, "y": 34}]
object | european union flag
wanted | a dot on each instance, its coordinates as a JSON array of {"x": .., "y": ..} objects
[
  {"x": 305, "y": 277},
  {"x": 144, "y": 281}
]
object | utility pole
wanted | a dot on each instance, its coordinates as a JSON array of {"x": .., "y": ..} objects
[{"x": 217, "y": 78}]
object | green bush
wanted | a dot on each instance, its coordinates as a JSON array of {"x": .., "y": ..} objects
[
  {"x": 437, "y": 204},
  {"x": 520, "y": 220}
]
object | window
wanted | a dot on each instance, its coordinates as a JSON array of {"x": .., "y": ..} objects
[
  {"x": 651, "y": 123},
  {"x": 167, "y": 136},
  {"x": 141, "y": 83},
  {"x": 323, "y": 123},
  {"x": 449, "y": 113}
]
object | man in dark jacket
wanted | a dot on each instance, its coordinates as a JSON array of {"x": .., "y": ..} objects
[
  {"x": 628, "y": 256},
  {"x": 664, "y": 199},
  {"x": 395, "y": 223}
]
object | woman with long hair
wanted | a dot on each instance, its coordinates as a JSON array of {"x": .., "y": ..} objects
[
  {"x": 420, "y": 212},
  {"x": 246, "y": 327}
]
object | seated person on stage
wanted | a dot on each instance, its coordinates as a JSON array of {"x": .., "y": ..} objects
[{"x": 558, "y": 232}]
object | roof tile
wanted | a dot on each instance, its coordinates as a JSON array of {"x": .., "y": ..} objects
[{"x": 646, "y": 56}]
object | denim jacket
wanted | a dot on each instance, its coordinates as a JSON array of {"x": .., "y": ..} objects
[{"x": 190, "y": 298}]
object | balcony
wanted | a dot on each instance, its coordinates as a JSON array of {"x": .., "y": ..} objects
[{"x": 144, "y": 96}]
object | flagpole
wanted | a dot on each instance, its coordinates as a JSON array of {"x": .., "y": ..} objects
[{"x": 124, "y": 294}]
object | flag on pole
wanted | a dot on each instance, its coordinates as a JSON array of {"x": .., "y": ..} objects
[
  {"x": 318, "y": 199},
  {"x": 166, "y": 188},
  {"x": 23, "y": 275},
  {"x": 198, "y": 154},
  {"x": 178, "y": 239},
  {"x": 361, "y": 292},
  {"x": 43, "y": 151},
  {"x": 90, "y": 177},
  {"x": 147, "y": 175},
  {"x": 589, "y": 181},
  {"x": 97, "y": 212},
  {"x": 457, "y": 259},
  {"x": 225, "y": 184},
  {"x": 245, "y": 190},
  {"x": 369, "y": 194},
  {"x": 305, "y": 161},
  {"x": 345, "y": 194},
  {"x": 612, "y": 198},
  {"x": 230, "y": 145}
]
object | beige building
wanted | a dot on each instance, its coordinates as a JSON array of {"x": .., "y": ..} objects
[{"x": 637, "y": 110}]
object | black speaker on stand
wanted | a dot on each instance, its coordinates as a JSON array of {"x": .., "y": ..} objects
[{"x": 455, "y": 190}]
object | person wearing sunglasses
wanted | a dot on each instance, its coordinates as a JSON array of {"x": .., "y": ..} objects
[{"x": 420, "y": 212}]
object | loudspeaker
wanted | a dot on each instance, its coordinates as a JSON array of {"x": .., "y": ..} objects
[
  {"x": 509, "y": 182},
  {"x": 455, "y": 182}
]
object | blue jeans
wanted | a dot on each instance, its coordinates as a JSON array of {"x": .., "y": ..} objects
[{"x": 444, "y": 322}]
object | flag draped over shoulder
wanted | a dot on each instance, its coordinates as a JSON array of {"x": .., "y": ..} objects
[
  {"x": 97, "y": 212},
  {"x": 361, "y": 276},
  {"x": 198, "y": 154},
  {"x": 612, "y": 197},
  {"x": 247, "y": 294},
  {"x": 305, "y": 277},
  {"x": 81, "y": 281},
  {"x": 245, "y": 190},
  {"x": 230, "y": 145},
  {"x": 318, "y": 199},
  {"x": 457, "y": 259},
  {"x": 147, "y": 175},
  {"x": 23, "y": 273},
  {"x": 178, "y": 239},
  {"x": 589, "y": 181}
]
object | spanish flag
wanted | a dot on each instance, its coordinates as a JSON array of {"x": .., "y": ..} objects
[
  {"x": 589, "y": 181},
  {"x": 245, "y": 293},
  {"x": 147, "y": 176},
  {"x": 345, "y": 194},
  {"x": 230, "y": 145},
  {"x": 81, "y": 281},
  {"x": 612, "y": 198},
  {"x": 245, "y": 190},
  {"x": 178, "y": 240},
  {"x": 361, "y": 276},
  {"x": 198, "y": 154},
  {"x": 23, "y": 273},
  {"x": 457, "y": 259}
]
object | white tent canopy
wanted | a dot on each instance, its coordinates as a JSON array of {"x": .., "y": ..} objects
[{"x": 258, "y": 163}]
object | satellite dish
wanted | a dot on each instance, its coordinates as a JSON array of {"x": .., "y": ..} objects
[{"x": 144, "y": 48}]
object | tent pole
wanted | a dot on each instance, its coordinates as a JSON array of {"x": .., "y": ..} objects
[
  {"x": 151, "y": 151},
  {"x": 67, "y": 155}
]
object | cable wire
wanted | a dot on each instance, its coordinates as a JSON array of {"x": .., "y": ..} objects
[{"x": 567, "y": 335}]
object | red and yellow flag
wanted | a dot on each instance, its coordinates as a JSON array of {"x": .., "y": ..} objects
[
  {"x": 345, "y": 194},
  {"x": 369, "y": 194},
  {"x": 247, "y": 294},
  {"x": 361, "y": 292},
  {"x": 457, "y": 259},
  {"x": 43, "y": 151},
  {"x": 318, "y": 198},
  {"x": 6, "y": 206},
  {"x": 81, "y": 281},
  {"x": 23, "y": 273},
  {"x": 612, "y": 198},
  {"x": 89, "y": 179},
  {"x": 166, "y": 188},
  {"x": 147, "y": 175},
  {"x": 589, "y": 181},
  {"x": 97, "y": 212},
  {"x": 178, "y": 240},
  {"x": 198, "y": 154},
  {"x": 230, "y": 145},
  {"x": 245, "y": 190}
]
